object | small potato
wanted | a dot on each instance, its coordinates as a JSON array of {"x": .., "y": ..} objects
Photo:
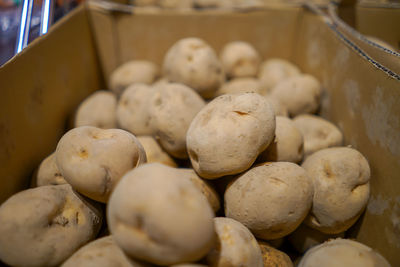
[
  {"x": 236, "y": 246},
  {"x": 342, "y": 252},
  {"x": 240, "y": 85},
  {"x": 102, "y": 252},
  {"x": 274, "y": 71},
  {"x": 154, "y": 152},
  {"x": 98, "y": 110},
  {"x": 341, "y": 185},
  {"x": 193, "y": 62},
  {"x": 240, "y": 59},
  {"x": 280, "y": 110},
  {"x": 273, "y": 257},
  {"x": 288, "y": 144},
  {"x": 134, "y": 71},
  {"x": 271, "y": 199},
  {"x": 305, "y": 238},
  {"x": 318, "y": 133},
  {"x": 172, "y": 108},
  {"x": 93, "y": 160},
  {"x": 43, "y": 226},
  {"x": 228, "y": 134},
  {"x": 205, "y": 187},
  {"x": 48, "y": 172},
  {"x": 155, "y": 215},
  {"x": 133, "y": 109},
  {"x": 300, "y": 94}
]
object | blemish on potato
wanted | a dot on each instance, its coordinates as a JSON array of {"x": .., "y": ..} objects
[{"x": 83, "y": 153}]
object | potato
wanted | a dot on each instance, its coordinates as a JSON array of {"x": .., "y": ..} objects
[
  {"x": 240, "y": 59},
  {"x": 273, "y": 257},
  {"x": 274, "y": 71},
  {"x": 93, "y": 160},
  {"x": 154, "y": 152},
  {"x": 341, "y": 185},
  {"x": 304, "y": 238},
  {"x": 236, "y": 246},
  {"x": 193, "y": 62},
  {"x": 157, "y": 216},
  {"x": 288, "y": 144},
  {"x": 172, "y": 108},
  {"x": 43, "y": 226},
  {"x": 98, "y": 110},
  {"x": 228, "y": 134},
  {"x": 133, "y": 109},
  {"x": 134, "y": 71},
  {"x": 205, "y": 187},
  {"x": 342, "y": 252},
  {"x": 48, "y": 173},
  {"x": 318, "y": 133},
  {"x": 271, "y": 199},
  {"x": 240, "y": 85},
  {"x": 280, "y": 110},
  {"x": 101, "y": 252},
  {"x": 300, "y": 94}
]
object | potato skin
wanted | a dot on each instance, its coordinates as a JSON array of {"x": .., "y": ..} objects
[
  {"x": 93, "y": 160},
  {"x": 341, "y": 184},
  {"x": 228, "y": 134},
  {"x": 48, "y": 172},
  {"x": 43, "y": 226},
  {"x": 273, "y": 257},
  {"x": 157, "y": 216},
  {"x": 154, "y": 152},
  {"x": 240, "y": 85},
  {"x": 271, "y": 199}
]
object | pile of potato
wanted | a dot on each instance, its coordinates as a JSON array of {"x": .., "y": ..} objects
[{"x": 230, "y": 135}]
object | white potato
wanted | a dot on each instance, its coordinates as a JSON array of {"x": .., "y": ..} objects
[{"x": 274, "y": 71}]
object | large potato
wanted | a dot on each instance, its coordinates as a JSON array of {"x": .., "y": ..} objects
[
  {"x": 273, "y": 257},
  {"x": 93, "y": 160},
  {"x": 101, "y": 252},
  {"x": 274, "y": 71},
  {"x": 193, "y": 62},
  {"x": 318, "y": 133},
  {"x": 228, "y": 134},
  {"x": 157, "y": 216},
  {"x": 271, "y": 199},
  {"x": 43, "y": 226},
  {"x": 98, "y": 110},
  {"x": 236, "y": 246},
  {"x": 288, "y": 143},
  {"x": 240, "y": 59},
  {"x": 133, "y": 109},
  {"x": 172, "y": 108},
  {"x": 341, "y": 185},
  {"x": 134, "y": 71},
  {"x": 342, "y": 252},
  {"x": 154, "y": 153},
  {"x": 300, "y": 94},
  {"x": 48, "y": 172}
]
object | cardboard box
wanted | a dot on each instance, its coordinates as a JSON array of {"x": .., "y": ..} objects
[{"x": 41, "y": 86}]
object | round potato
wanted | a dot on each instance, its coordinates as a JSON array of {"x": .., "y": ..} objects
[
  {"x": 271, "y": 199},
  {"x": 228, "y": 134},
  {"x": 318, "y": 133},
  {"x": 101, "y": 252},
  {"x": 154, "y": 152},
  {"x": 93, "y": 160},
  {"x": 155, "y": 215},
  {"x": 134, "y": 71},
  {"x": 133, "y": 109},
  {"x": 342, "y": 252},
  {"x": 48, "y": 172},
  {"x": 240, "y": 85},
  {"x": 236, "y": 246},
  {"x": 274, "y": 71},
  {"x": 98, "y": 110},
  {"x": 341, "y": 185},
  {"x": 172, "y": 108},
  {"x": 193, "y": 62},
  {"x": 240, "y": 59},
  {"x": 300, "y": 94},
  {"x": 288, "y": 144},
  {"x": 43, "y": 226},
  {"x": 273, "y": 257}
]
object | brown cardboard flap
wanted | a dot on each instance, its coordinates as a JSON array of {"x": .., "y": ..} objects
[{"x": 39, "y": 88}]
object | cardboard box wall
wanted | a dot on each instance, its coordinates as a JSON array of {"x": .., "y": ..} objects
[{"x": 41, "y": 87}]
